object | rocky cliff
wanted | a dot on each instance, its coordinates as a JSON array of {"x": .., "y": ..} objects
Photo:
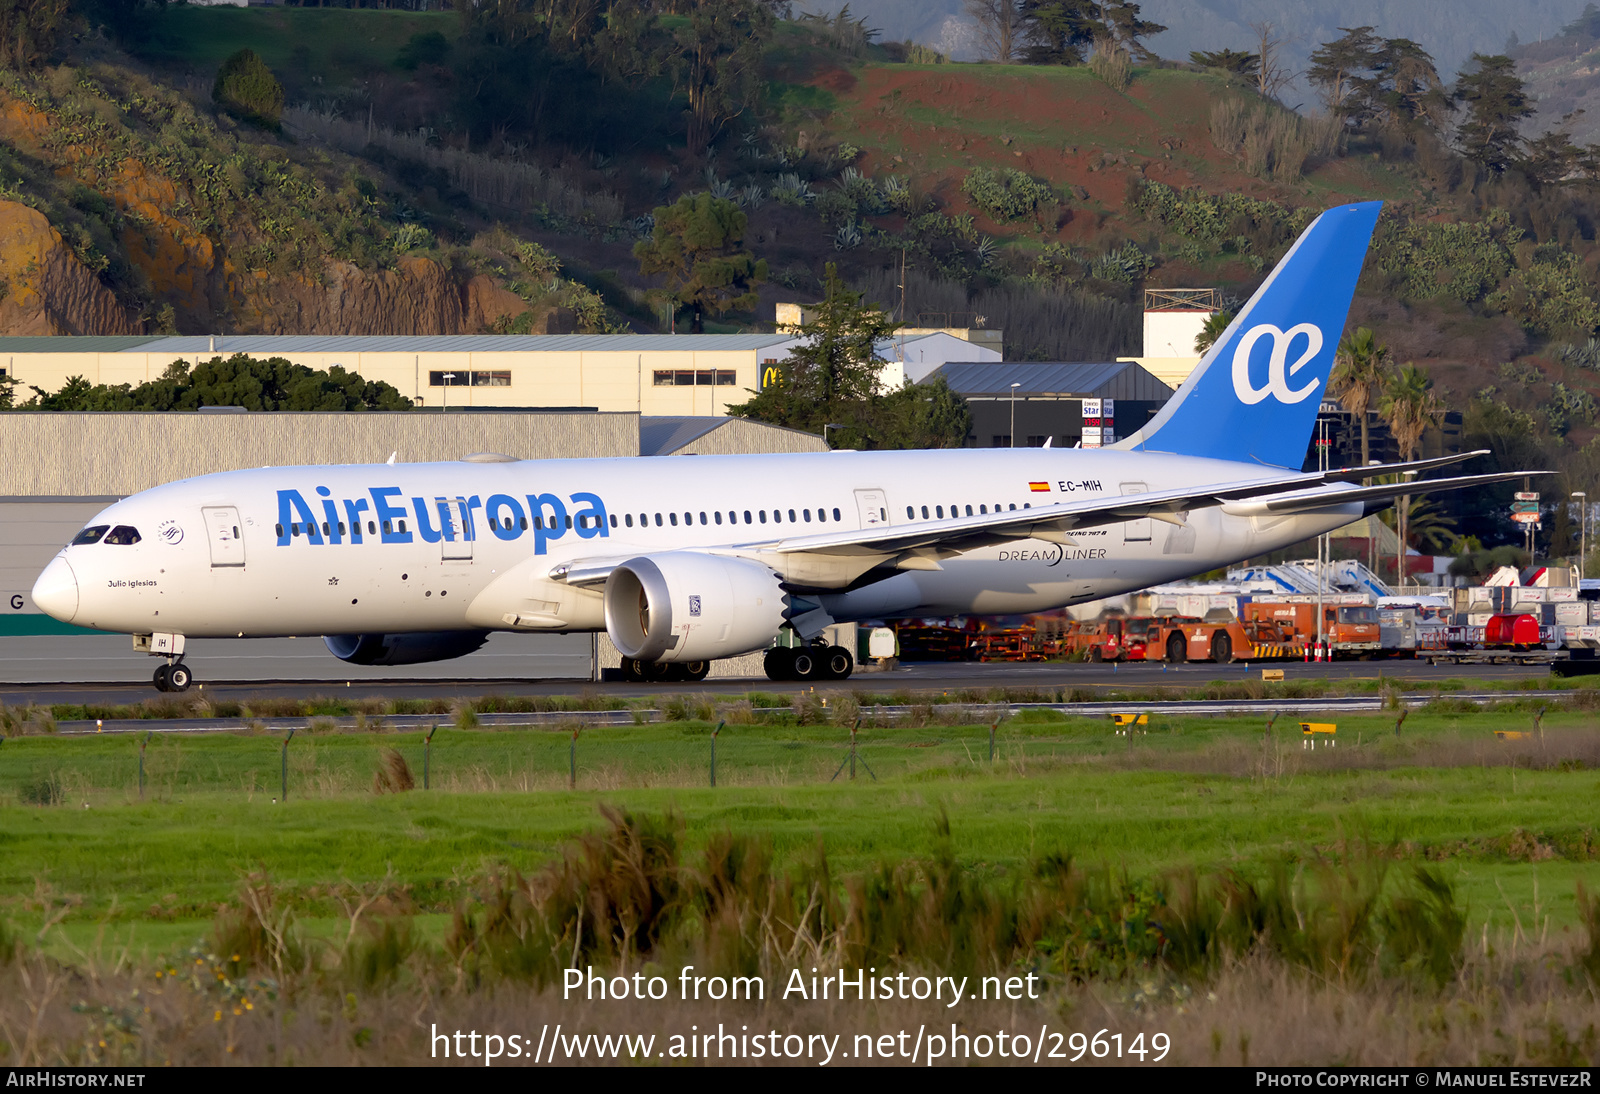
[{"x": 196, "y": 272}]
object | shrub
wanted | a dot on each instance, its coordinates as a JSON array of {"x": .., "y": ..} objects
[
  {"x": 247, "y": 89},
  {"x": 1112, "y": 64},
  {"x": 426, "y": 48},
  {"x": 41, "y": 790},
  {"x": 1005, "y": 195},
  {"x": 393, "y": 775}
]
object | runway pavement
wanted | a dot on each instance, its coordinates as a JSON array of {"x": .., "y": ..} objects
[{"x": 924, "y": 676}]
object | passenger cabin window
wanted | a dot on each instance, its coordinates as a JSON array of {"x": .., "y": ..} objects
[
  {"x": 123, "y": 535},
  {"x": 94, "y": 534},
  {"x": 628, "y": 520}
]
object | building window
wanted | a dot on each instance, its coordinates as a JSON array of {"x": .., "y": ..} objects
[
  {"x": 463, "y": 378},
  {"x": 1037, "y": 442},
  {"x": 705, "y": 377},
  {"x": 1003, "y": 440}
]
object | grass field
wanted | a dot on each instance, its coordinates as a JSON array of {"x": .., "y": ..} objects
[
  {"x": 1207, "y": 878},
  {"x": 308, "y": 47},
  {"x": 1513, "y": 821}
]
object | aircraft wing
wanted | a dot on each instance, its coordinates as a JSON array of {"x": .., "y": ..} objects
[{"x": 1282, "y": 494}]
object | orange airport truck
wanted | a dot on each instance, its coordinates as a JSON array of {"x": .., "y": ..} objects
[{"x": 1350, "y": 630}]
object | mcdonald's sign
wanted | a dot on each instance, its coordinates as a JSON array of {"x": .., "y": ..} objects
[{"x": 773, "y": 374}]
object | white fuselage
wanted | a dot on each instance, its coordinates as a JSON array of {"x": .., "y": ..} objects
[{"x": 245, "y": 553}]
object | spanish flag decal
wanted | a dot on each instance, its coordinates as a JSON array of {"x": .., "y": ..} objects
[{"x": 1039, "y": 487}]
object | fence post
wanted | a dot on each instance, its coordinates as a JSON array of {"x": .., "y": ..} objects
[
  {"x": 992, "y": 727},
  {"x": 714, "y": 733},
  {"x": 572, "y": 761},
  {"x": 285, "y": 771},
  {"x": 427, "y": 754},
  {"x": 142, "y": 743}
]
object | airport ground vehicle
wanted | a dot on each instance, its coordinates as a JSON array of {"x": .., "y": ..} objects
[{"x": 1348, "y": 629}]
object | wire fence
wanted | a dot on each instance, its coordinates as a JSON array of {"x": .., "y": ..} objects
[{"x": 322, "y": 762}]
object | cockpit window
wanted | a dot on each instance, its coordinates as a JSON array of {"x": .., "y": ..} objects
[
  {"x": 123, "y": 535},
  {"x": 90, "y": 534}
]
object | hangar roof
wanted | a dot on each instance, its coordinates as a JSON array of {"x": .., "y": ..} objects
[
  {"x": 1077, "y": 379},
  {"x": 384, "y": 343}
]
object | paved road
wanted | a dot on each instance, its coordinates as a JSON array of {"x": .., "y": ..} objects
[{"x": 911, "y": 677}]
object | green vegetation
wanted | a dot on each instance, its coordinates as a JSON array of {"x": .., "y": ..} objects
[
  {"x": 831, "y": 378},
  {"x": 1418, "y": 867},
  {"x": 274, "y": 383},
  {"x": 1005, "y": 195},
  {"x": 698, "y": 244},
  {"x": 1194, "y": 791},
  {"x": 247, "y": 89}
]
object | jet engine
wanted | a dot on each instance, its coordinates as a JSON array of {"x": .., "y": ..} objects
[
  {"x": 403, "y": 649},
  {"x": 687, "y": 606}
]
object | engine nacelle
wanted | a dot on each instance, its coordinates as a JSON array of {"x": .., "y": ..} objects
[
  {"x": 403, "y": 649},
  {"x": 686, "y": 606}
]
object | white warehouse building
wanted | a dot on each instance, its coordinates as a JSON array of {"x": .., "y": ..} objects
[{"x": 693, "y": 375}]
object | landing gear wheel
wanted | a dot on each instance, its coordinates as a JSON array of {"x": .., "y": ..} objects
[
  {"x": 160, "y": 678},
  {"x": 633, "y": 670},
  {"x": 695, "y": 671},
  {"x": 1222, "y": 649},
  {"x": 779, "y": 663},
  {"x": 179, "y": 677},
  {"x": 1177, "y": 649},
  {"x": 808, "y": 664},
  {"x": 837, "y": 663},
  {"x": 660, "y": 671}
]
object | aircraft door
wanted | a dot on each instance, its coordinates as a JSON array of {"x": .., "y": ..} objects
[
  {"x": 455, "y": 523},
  {"x": 223, "y": 534},
  {"x": 873, "y": 508},
  {"x": 1135, "y": 531}
]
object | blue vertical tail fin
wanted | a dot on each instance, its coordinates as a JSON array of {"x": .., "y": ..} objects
[{"x": 1254, "y": 395}]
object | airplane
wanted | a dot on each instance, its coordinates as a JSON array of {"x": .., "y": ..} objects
[{"x": 684, "y": 560}]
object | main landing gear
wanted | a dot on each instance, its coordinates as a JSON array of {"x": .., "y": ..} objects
[
  {"x": 173, "y": 677},
  {"x": 664, "y": 672},
  {"x": 814, "y": 662}
]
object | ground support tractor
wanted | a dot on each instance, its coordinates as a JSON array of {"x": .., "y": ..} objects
[{"x": 1349, "y": 630}]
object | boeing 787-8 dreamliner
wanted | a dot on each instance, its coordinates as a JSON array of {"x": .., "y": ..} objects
[{"x": 682, "y": 561}]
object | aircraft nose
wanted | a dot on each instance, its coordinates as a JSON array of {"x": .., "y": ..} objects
[{"x": 56, "y": 591}]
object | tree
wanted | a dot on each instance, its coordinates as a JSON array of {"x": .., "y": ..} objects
[
  {"x": 1409, "y": 406},
  {"x": 698, "y": 243},
  {"x": 1216, "y": 323},
  {"x": 831, "y": 377},
  {"x": 718, "y": 64},
  {"x": 1123, "y": 22},
  {"x": 1496, "y": 103},
  {"x": 1360, "y": 371},
  {"x": 1408, "y": 90},
  {"x": 1057, "y": 32},
  {"x": 1271, "y": 74},
  {"x": 1000, "y": 27},
  {"x": 1235, "y": 61},
  {"x": 29, "y": 30},
  {"x": 272, "y": 383},
  {"x": 1337, "y": 68},
  {"x": 246, "y": 88}
]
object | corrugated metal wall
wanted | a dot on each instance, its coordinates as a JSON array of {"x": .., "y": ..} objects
[{"x": 119, "y": 454}]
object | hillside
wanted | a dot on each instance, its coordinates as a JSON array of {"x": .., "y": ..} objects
[{"x": 1042, "y": 199}]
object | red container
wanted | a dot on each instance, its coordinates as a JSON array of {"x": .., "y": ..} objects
[{"x": 1511, "y": 630}]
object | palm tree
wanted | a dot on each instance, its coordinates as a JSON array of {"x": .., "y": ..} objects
[
  {"x": 1360, "y": 368},
  {"x": 1409, "y": 406},
  {"x": 1215, "y": 325}
]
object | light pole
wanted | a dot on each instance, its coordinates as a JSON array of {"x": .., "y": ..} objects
[
  {"x": 1583, "y": 527},
  {"x": 830, "y": 425},
  {"x": 1014, "y": 413},
  {"x": 447, "y": 378}
]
